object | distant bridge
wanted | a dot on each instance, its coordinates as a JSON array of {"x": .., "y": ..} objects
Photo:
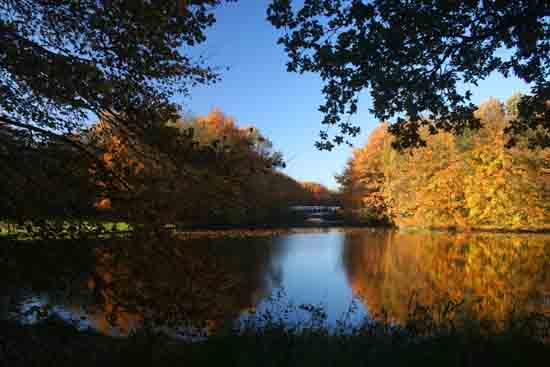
[{"x": 315, "y": 211}]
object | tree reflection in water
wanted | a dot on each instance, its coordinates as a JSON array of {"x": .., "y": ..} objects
[
  {"x": 495, "y": 274},
  {"x": 200, "y": 283},
  {"x": 122, "y": 285}
]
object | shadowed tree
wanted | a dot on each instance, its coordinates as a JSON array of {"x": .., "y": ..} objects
[
  {"x": 62, "y": 62},
  {"x": 413, "y": 57}
]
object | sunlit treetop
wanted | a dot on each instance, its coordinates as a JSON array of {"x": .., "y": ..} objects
[{"x": 413, "y": 56}]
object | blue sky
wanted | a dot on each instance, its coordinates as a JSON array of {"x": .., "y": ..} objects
[{"x": 256, "y": 89}]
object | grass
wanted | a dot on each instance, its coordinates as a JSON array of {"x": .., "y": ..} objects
[
  {"x": 67, "y": 229},
  {"x": 60, "y": 229}
]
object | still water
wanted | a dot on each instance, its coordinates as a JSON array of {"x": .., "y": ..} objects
[{"x": 115, "y": 286}]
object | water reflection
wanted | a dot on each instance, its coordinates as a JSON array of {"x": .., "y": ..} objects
[
  {"x": 493, "y": 273},
  {"x": 119, "y": 285},
  {"x": 312, "y": 273},
  {"x": 176, "y": 284},
  {"x": 171, "y": 284}
]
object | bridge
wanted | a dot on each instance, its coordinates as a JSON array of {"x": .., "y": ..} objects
[{"x": 314, "y": 212}]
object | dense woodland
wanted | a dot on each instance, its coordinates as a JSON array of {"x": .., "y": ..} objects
[
  {"x": 470, "y": 180},
  {"x": 203, "y": 170}
]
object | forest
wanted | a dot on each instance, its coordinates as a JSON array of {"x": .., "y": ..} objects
[
  {"x": 473, "y": 180},
  {"x": 193, "y": 171}
]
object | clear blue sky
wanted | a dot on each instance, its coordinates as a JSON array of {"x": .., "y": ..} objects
[{"x": 257, "y": 90}]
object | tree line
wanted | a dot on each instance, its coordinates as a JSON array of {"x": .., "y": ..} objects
[
  {"x": 469, "y": 180},
  {"x": 194, "y": 170}
]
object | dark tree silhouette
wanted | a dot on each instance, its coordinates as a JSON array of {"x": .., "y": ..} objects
[
  {"x": 64, "y": 62},
  {"x": 412, "y": 56},
  {"x": 61, "y": 61}
]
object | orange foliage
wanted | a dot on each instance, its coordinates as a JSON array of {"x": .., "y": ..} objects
[
  {"x": 204, "y": 170},
  {"x": 470, "y": 180},
  {"x": 361, "y": 183}
]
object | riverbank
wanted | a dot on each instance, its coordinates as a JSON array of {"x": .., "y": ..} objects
[
  {"x": 68, "y": 230},
  {"x": 123, "y": 230}
]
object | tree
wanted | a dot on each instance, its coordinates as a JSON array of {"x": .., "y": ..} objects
[
  {"x": 30, "y": 184},
  {"x": 362, "y": 182},
  {"x": 318, "y": 194},
  {"x": 464, "y": 181},
  {"x": 470, "y": 180},
  {"x": 62, "y": 62},
  {"x": 412, "y": 56},
  {"x": 244, "y": 177},
  {"x": 209, "y": 171},
  {"x": 512, "y": 104}
]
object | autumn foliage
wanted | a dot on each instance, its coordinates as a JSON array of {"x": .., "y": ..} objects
[
  {"x": 362, "y": 182},
  {"x": 468, "y": 181},
  {"x": 202, "y": 170}
]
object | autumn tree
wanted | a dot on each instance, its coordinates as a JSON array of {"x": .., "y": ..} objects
[
  {"x": 362, "y": 182},
  {"x": 471, "y": 180},
  {"x": 504, "y": 186},
  {"x": 145, "y": 186},
  {"x": 413, "y": 56},
  {"x": 248, "y": 173},
  {"x": 315, "y": 193},
  {"x": 209, "y": 171},
  {"x": 423, "y": 186},
  {"x": 352, "y": 188}
]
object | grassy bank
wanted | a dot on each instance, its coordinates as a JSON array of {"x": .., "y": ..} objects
[
  {"x": 75, "y": 229},
  {"x": 60, "y": 229}
]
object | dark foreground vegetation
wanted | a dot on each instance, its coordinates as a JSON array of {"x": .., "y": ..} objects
[
  {"x": 88, "y": 129},
  {"x": 430, "y": 338}
]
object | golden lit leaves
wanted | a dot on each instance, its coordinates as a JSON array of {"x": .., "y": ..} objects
[{"x": 467, "y": 181}]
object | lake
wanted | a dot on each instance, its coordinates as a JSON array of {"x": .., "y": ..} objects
[{"x": 117, "y": 285}]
